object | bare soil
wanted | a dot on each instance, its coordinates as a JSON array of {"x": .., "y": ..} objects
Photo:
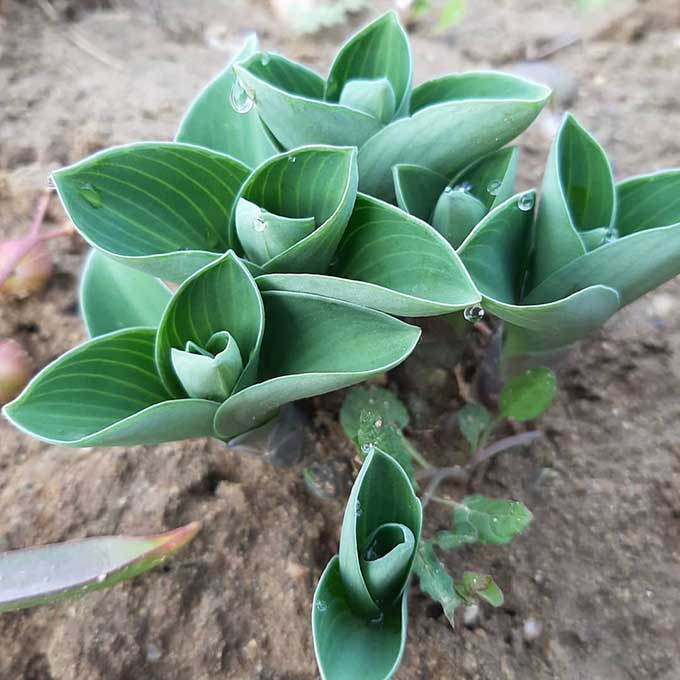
[{"x": 597, "y": 576}]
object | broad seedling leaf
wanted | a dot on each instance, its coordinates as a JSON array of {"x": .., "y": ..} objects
[
  {"x": 494, "y": 521},
  {"x": 473, "y": 421},
  {"x": 528, "y": 395},
  {"x": 383, "y": 402},
  {"x": 114, "y": 296},
  {"x": 63, "y": 571},
  {"x": 435, "y": 581},
  {"x": 359, "y": 612},
  {"x": 474, "y": 585}
]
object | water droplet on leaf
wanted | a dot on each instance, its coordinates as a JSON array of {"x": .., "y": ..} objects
[
  {"x": 358, "y": 509},
  {"x": 474, "y": 313},
  {"x": 102, "y": 577},
  {"x": 239, "y": 98},
  {"x": 494, "y": 186},
  {"x": 265, "y": 58},
  {"x": 367, "y": 448},
  {"x": 321, "y": 605},
  {"x": 465, "y": 187},
  {"x": 91, "y": 195},
  {"x": 291, "y": 159},
  {"x": 526, "y": 202},
  {"x": 259, "y": 225}
]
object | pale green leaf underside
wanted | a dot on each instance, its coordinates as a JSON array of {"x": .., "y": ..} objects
[
  {"x": 221, "y": 297},
  {"x": 313, "y": 345},
  {"x": 158, "y": 206},
  {"x": 648, "y": 201},
  {"x": 211, "y": 121},
  {"x": 106, "y": 392},
  {"x": 114, "y": 296},
  {"x": 61, "y": 571},
  {"x": 455, "y": 120}
]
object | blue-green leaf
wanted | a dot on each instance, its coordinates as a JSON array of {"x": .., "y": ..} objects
[
  {"x": 211, "y": 122},
  {"x": 114, "y": 296}
]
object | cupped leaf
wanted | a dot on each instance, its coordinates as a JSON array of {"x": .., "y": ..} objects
[
  {"x": 160, "y": 207},
  {"x": 417, "y": 189},
  {"x": 531, "y": 328},
  {"x": 577, "y": 195},
  {"x": 295, "y": 207},
  {"x": 107, "y": 392},
  {"x": 648, "y": 202},
  {"x": 211, "y": 122},
  {"x": 61, "y": 571},
  {"x": 313, "y": 345},
  {"x": 375, "y": 399},
  {"x": 632, "y": 265},
  {"x": 380, "y": 50},
  {"x": 114, "y": 296},
  {"x": 220, "y": 297},
  {"x": 454, "y": 121},
  {"x": 289, "y": 99},
  {"x": 347, "y": 646},
  {"x": 456, "y": 213},
  {"x": 374, "y": 97},
  {"x": 359, "y": 615},
  {"x": 526, "y": 396},
  {"x": 495, "y": 252},
  {"x": 474, "y": 585}
]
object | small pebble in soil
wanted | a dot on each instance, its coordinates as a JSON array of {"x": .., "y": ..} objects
[
  {"x": 532, "y": 629},
  {"x": 153, "y": 653},
  {"x": 471, "y": 616}
]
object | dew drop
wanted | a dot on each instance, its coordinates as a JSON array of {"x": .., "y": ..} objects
[
  {"x": 494, "y": 186},
  {"x": 611, "y": 235},
  {"x": 321, "y": 606},
  {"x": 358, "y": 509},
  {"x": 526, "y": 202},
  {"x": 91, "y": 195},
  {"x": 367, "y": 448},
  {"x": 465, "y": 187},
  {"x": 239, "y": 98},
  {"x": 265, "y": 58},
  {"x": 474, "y": 313},
  {"x": 291, "y": 159},
  {"x": 259, "y": 225},
  {"x": 378, "y": 423},
  {"x": 102, "y": 577},
  {"x": 448, "y": 190}
]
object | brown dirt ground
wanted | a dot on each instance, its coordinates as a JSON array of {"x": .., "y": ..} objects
[{"x": 598, "y": 570}]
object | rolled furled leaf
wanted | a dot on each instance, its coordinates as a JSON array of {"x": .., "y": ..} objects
[
  {"x": 161, "y": 207},
  {"x": 367, "y": 102},
  {"x": 293, "y": 209},
  {"x": 212, "y": 123},
  {"x": 359, "y": 613},
  {"x": 390, "y": 261},
  {"x": 454, "y": 207},
  {"x": 62, "y": 571}
]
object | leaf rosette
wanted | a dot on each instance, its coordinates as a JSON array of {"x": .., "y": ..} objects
[
  {"x": 367, "y": 101},
  {"x": 359, "y": 615},
  {"x": 208, "y": 369}
]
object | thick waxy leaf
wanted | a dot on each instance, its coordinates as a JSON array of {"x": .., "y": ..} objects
[
  {"x": 157, "y": 206},
  {"x": 314, "y": 345},
  {"x": 220, "y": 297},
  {"x": 372, "y": 398},
  {"x": 648, "y": 201},
  {"x": 114, "y": 296},
  {"x": 211, "y": 122},
  {"x": 456, "y": 213},
  {"x": 106, "y": 392},
  {"x": 474, "y": 585},
  {"x": 632, "y": 265},
  {"x": 417, "y": 189},
  {"x": 374, "y": 97},
  {"x": 62, "y": 571},
  {"x": 359, "y": 617},
  {"x": 380, "y": 50},
  {"x": 316, "y": 183},
  {"x": 473, "y": 420},
  {"x": 495, "y": 251},
  {"x": 454, "y": 121},
  {"x": 435, "y": 581},
  {"x": 289, "y": 99},
  {"x": 526, "y": 396},
  {"x": 577, "y": 195}
]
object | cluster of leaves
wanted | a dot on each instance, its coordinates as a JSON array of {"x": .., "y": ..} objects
[{"x": 359, "y": 616}]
